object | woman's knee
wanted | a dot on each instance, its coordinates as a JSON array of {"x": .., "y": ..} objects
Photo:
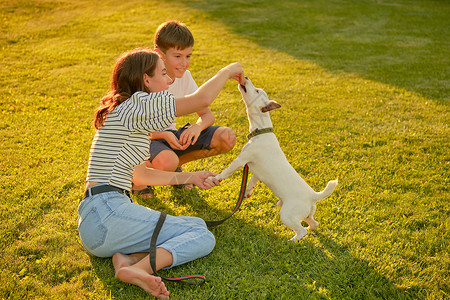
[
  {"x": 207, "y": 237},
  {"x": 208, "y": 242}
]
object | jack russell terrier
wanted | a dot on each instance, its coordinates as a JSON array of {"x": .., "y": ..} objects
[{"x": 268, "y": 164}]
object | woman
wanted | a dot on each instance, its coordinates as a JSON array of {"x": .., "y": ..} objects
[{"x": 109, "y": 223}]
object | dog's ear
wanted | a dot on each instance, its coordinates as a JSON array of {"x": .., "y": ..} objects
[{"x": 272, "y": 105}]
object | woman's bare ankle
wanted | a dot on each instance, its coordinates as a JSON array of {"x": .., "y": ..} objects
[{"x": 123, "y": 260}]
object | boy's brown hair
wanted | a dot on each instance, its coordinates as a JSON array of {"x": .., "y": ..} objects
[{"x": 173, "y": 34}]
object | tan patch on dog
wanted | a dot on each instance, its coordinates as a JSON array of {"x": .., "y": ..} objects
[{"x": 272, "y": 105}]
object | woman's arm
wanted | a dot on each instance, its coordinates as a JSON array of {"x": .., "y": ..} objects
[
  {"x": 206, "y": 93},
  {"x": 147, "y": 176}
]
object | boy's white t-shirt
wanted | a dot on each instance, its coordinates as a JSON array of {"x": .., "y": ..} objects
[{"x": 181, "y": 87}]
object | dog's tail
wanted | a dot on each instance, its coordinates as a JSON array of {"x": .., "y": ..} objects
[{"x": 327, "y": 191}]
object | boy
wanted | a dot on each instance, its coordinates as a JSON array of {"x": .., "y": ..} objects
[{"x": 171, "y": 148}]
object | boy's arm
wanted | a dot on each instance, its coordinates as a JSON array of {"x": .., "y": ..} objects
[
  {"x": 205, "y": 118},
  {"x": 190, "y": 135}
]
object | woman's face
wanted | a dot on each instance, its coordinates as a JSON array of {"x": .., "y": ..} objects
[{"x": 160, "y": 81}]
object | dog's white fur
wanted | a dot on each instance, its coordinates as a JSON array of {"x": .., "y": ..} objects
[{"x": 268, "y": 164}]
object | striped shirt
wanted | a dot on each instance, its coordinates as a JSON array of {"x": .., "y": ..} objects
[{"x": 123, "y": 142}]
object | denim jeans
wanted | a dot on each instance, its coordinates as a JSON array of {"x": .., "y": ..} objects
[{"x": 110, "y": 222}]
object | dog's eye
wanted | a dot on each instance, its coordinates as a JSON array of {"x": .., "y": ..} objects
[{"x": 257, "y": 91}]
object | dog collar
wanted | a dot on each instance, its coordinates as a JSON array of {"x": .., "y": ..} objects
[{"x": 258, "y": 131}]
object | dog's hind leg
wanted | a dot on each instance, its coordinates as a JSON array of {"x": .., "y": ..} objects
[
  {"x": 310, "y": 219},
  {"x": 250, "y": 186},
  {"x": 290, "y": 218}
]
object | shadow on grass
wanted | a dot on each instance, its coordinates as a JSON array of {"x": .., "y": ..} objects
[
  {"x": 403, "y": 43},
  {"x": 255, "y": 262}
]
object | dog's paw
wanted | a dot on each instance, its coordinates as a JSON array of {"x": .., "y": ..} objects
[
  {"x": 215, "y": 177},
  {"x": 294, "y": 239},
  {"x": 298, "y": 237},
  {"x": 248, "y": 193},
  {"x": 313, "y": 225}
]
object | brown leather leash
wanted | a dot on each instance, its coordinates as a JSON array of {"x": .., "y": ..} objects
[{"x": 193, "y": 279}]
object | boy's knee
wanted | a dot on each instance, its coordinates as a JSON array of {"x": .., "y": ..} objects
[
  {"x": 166, "y": 161},
  {"x": 227, "y": 139}
]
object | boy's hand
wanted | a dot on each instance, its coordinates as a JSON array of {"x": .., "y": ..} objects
[
  {"x": 190, "y": 135},
  {"x": 173, "y": 141}
]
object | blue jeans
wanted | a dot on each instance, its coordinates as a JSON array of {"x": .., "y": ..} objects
[{"x": 110, "y": 222}]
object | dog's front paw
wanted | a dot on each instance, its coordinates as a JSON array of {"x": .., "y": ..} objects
[
  {"x": 248, "y": 193},
  {"x": 215, "y": 177}
]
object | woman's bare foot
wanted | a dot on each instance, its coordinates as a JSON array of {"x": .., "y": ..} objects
[
  {"x": 149, "y": 283},
  {"x": 122, "y": 260}
]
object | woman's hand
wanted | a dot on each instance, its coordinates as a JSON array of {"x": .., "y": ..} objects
[
  {"x": 204, "y": 179},
  {"x": 235, "y": 71}
]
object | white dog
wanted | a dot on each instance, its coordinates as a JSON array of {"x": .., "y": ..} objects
[{"x": 268, "y": 164}]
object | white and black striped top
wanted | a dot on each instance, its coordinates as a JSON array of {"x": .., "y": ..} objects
[{"x": 123, "y": 142}]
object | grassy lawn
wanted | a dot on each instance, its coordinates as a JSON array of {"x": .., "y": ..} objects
[{"x": 365, "y": 90}]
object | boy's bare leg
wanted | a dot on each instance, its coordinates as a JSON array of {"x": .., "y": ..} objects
[
  {"x": 222, "y": 141},
  {"x": 140, "y": 274},
  {"x": 166, "y": 160}
]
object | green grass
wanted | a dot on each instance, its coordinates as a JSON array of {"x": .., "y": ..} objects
[{"x": 364, "y": 88}]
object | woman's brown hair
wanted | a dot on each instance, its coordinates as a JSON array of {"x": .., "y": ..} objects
[{"x": 126, "y": 79}]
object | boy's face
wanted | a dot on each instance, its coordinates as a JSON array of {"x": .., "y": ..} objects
[{"x": 177, "y": 61}]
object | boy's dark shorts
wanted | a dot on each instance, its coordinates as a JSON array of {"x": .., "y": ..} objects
[{"x": 203, "y": 142}]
